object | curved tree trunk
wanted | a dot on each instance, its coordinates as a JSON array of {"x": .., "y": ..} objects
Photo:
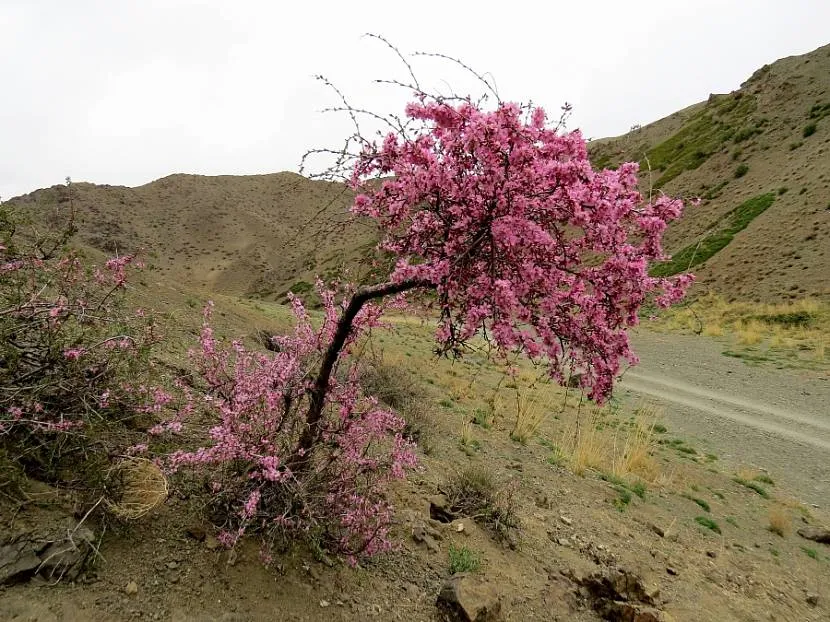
[{"x": 319, "y": 391}]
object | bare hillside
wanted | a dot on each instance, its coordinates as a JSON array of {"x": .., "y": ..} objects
[
  {"x": 257, "y": 235},
  {"x": 770, "y": 141}
]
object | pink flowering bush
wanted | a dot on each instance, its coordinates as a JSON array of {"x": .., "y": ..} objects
[
  {"x": 257, "y": 403},
  {"x": 66, "y": 346},
  {"x": 501, "y": 220},
  {"x": 523, "y": 242}
]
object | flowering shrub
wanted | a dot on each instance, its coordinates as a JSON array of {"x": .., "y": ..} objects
[
  {"x": 523, "y": 241},
  {"x": 258, "y": 402},
  {"x": 66, "y": 346},
  {"x": 504, "y": 219}
]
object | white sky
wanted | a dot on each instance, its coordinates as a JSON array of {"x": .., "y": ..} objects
[{"x": 124, "y": 92}]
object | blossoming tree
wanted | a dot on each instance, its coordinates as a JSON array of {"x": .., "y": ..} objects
[{"x": 500, "y": 218}]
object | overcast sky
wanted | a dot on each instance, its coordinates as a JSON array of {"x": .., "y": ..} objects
[{"x": 120, "y": 92}]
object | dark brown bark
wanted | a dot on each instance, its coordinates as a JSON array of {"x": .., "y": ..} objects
[{"x": 319, "y": 391}]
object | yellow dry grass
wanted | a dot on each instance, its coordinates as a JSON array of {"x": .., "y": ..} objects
[
  {"x": 802, "y": 325},
  {"x": 780, "y": 521},
  {"x": 530, "y": 412},
  {"x": 135, "y": 487},
  {"x": 621, "y": 451}
]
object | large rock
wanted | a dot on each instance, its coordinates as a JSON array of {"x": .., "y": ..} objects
[
  {"x": 816, "y": 534},
  {"x": 467, "y": 598},
  {"x": 55, "y": 554}
]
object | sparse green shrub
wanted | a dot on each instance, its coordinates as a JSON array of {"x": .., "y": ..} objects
[
  {"x": 707, "y": 522},
  {"x": 742, "y": 170},
  {"x": 729, "y": 226},
  {"x": 809, "y": 130},
  {"x": 765, "y": 479},
  {"x": 753, "y": 486},
  {"x": 621, "y": 502},
  {"x": 811, "y": 553},
  {"x": 72, "y": 355},
  {"x": 463, "y": 559},
  {"x": 701, "y": 502}
]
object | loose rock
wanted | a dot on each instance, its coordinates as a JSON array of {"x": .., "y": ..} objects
[
  {"x": 816, "y": 534},
  {"x": 60, "y": 552},
  {"x": 465, "y": 598},
  {"x": 131, "y": 589}
]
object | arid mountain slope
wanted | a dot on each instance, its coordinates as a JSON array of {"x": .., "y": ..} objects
[
  {"x": 254, "y": 235},
  {"x": 759, "y": 158},
  {"x": 772, "y": 135}
]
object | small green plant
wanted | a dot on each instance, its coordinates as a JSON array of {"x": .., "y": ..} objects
[
  {"x": 775, "y": 552},
  {"x": 811, "y": 553},
  {"x": 731, "y": 520},
  {"x": 701, "y": 502},
  {"x": 742, "y": 170},
  {"x": 809, "y": 130},
  {"x": 765, "y": 479},
  {"x": 463, "y": 559},
  {"x": 483, "y": 417},
  {"x": 446, "y": 403},
  {"x": 707, "y": 522},
  {"x": 660, "y": 428},
  {"x": 621, "y": 502},
  {"x": 753, "y": 486}
]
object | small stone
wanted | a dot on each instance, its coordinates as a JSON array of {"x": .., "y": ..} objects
[
  {"x": 197, "y": 532},
  {"x": 566, "y": 520},
  {"x": 459, "y": 527},
  {"x": 672, "y": 571},
  {"x": 324, "y": 603},
  {"x": 658, "y": 530},
  {"x": 131, "y": 589},
  {"x": 469, "y": 599},
  {"x": 172, "y": 565},
  {"x": 563, "y": 542},
  {"x": 211, "y": 543},
  {"x": 712, "y": 554},
  {"x": 812, "y": 599}
]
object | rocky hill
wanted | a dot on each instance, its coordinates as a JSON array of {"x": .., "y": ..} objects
[
  {"x": 257, "y": 235},
  {"x": 759, "y": 158}
]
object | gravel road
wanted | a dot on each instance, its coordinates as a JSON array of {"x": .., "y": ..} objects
[{"x": 753, "y": 416}]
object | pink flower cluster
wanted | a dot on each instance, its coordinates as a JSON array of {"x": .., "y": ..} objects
[
  {"x": 523, "y": 241},
  {"x": 259, "y": 402}
]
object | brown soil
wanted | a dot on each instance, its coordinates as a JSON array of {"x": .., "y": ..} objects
[{"x": 569, "y": 526}]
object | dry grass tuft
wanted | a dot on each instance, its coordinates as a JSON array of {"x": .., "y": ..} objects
[
  {"x": 135, "y": 486},
  {"x": 529, "y": 416},
  {"x": 780, "y": 521},
  {"x": 636, "y": 457}
]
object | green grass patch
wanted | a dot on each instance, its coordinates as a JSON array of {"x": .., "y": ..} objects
[
  {"x": 811, "y": 553},
  {"x": 701, "y": 502},
  {"x": 753, "y": 486},
  {"x": 809, "y": 130},
  {"x": 742, "y": 170},
  {"x": 765, "y": 479},
  {"x": 463, "y": 559},
  {"x": 707, "y": 522},
  {"x": 624, "y": 498},
  {"x": 704, "y": 134},
  {"x": 730, "y": 225},
  {"x": 731, "y": 520}
]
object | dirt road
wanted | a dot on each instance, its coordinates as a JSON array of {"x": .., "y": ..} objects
[{"x": 754, "y": 416}]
